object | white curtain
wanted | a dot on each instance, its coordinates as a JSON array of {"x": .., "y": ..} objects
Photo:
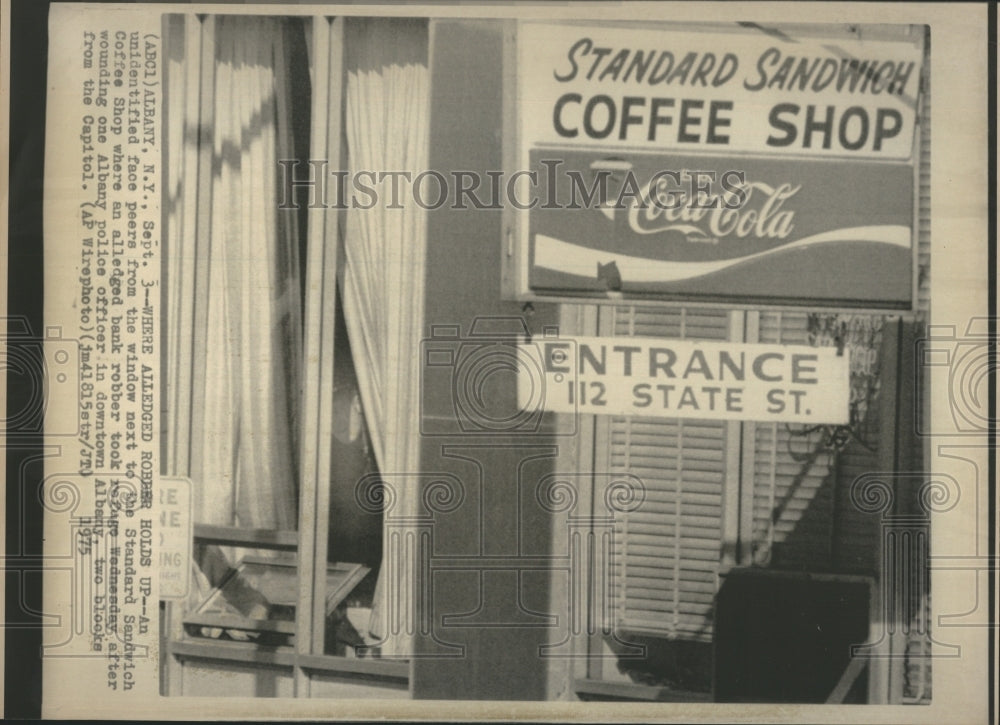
[
  {"x": 254, "y": 324},
  {"x": 387, "y": 108},
  {"x": 233, "y": 290}
]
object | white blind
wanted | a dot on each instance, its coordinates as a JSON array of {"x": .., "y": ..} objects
[{"x": 668, "y": 550}]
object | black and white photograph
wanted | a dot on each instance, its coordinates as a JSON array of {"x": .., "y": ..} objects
[
  {"x": 681, "y": 506},
  {"x": 631, "y": 360}
]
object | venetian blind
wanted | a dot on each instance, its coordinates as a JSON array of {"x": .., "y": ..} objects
[{"x": 668, "y": 550}]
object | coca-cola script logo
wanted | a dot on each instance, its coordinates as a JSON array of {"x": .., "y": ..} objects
[{"x": 760, "y": 214}]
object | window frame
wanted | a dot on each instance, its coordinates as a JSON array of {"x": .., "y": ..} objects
[{"x": 305, "y": 661}]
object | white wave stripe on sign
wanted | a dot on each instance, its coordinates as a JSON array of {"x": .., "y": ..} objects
[{"x": 559, "y": 256}]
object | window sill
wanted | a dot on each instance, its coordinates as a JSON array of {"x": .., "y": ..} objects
[
  {"x": 639, "y": 693},
  {"x": 391, "y": 671}
]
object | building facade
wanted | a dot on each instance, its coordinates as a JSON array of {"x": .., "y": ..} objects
[{"x": 376, "y": 514}]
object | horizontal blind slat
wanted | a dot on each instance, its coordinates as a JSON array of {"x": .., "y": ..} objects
[{"x": 667, "y": 551}]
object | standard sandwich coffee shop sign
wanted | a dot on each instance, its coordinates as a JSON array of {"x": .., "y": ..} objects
[{"x": 721, "y": 167}]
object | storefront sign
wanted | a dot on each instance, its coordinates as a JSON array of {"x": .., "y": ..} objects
[
  {"x": 738, "y": 89},
  {"x": 774, "y": 231},
  {"x": 742, "y": 166},
  {"x": 685, "y": 379}
]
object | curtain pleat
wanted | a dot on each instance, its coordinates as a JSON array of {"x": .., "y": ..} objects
[
  {"x": 236, "y": 440},
  {"x": 387, "y": 115}
]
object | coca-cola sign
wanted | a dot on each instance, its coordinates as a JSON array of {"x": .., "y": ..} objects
[
  {"x": 741, "y": 165},
  {"x": 694, "y": 227},
  {"x": 754, "y": 208}
]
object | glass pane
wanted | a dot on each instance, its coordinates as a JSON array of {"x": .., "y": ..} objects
[
  {"x": 355, "y": 533},
  {"x": 237, "y": 101}
]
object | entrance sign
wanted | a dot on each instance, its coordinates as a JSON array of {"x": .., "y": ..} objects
[
  {"x": 649, "y": 377},
  {"x": 725, "y": 166}
]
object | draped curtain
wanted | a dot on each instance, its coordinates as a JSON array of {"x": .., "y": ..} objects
[
  {"x": 387, "y": 116},
  {"x": 233, "y": 290},
  {"x": 234, "y": 328}
]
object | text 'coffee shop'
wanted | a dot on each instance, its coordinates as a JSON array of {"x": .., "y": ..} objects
[{"x": 584, "y": 345}]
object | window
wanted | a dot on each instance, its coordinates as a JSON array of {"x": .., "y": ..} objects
[
  {"x": 667, "y": 551},
  {"x": 283, "y": 397},
  {"x": 729, "y": 501}
]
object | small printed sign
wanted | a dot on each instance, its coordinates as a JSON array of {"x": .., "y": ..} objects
[
  {"x": 650, "y": 377},
  {"x": 175, "y": 537}
]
